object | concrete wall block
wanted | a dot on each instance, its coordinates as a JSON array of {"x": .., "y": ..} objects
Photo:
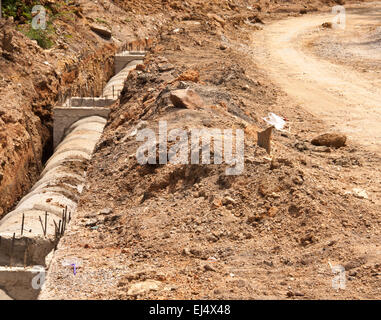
[
  {"x": 89, "y": 102},
  {"x": 64, "y": 117},
  {"x": 122, "y": 59}
]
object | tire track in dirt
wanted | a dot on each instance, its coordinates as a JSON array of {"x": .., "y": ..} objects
[{"x": 347, "y": 99}]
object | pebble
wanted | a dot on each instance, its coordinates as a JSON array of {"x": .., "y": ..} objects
[{"x": 208, "y": 267}]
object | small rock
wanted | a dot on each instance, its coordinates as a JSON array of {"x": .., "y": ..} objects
[
  {"x": 217, "y": 203},
  {"x": 290, "y": 294},
  {"x": 208, "y": 267},
  {"x": 91, "y": 223},
  {"x": 228, "y": 200},
  {"x": 360, "y": 193},
  {"x": 186, "y": 98},
  {"x": 301, "y": 146},
  {"x": 164, "y": 67},
  {"x": 335, "y": 140},
  {"x": 268, "y": 263},
  {"x": 143, "y": 287},
  {"x": 212, "y": 238},
  {"x": 322, "y": 149},
  {"x": 190, "y": 75},
  {"x": 327, "y": 25},
  {"x": 272, "y": 211},
  {"x": 106, "y": 211},
  {"x": 102, "y": 31},
  {"x": 298, "y": 180}
]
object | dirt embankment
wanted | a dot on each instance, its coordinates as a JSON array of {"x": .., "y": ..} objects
[
  {"x": 190, "y": 231},
  {"x": 79, "y": 62},
  {"x": 33, "y": 80}
]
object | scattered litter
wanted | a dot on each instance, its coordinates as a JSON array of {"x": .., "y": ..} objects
[
  {"x": 212, "y": 259},
  {"x": 275, "y": 120}
]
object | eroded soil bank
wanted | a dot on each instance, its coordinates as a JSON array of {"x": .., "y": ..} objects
[{"x": 33, "y": 80}]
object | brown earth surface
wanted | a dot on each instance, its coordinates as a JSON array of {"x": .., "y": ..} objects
[
  {"x": 33, "y": 80},
  {"x": 192, "y": 232}
]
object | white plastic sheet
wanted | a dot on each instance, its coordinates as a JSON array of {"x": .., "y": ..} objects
[{"x": 275, "y": 120}]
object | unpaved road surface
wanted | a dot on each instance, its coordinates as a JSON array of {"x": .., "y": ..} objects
[{"x": 332, "y": 73}]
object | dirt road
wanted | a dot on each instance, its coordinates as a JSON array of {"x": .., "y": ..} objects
[{"x": 332, "y": 73}]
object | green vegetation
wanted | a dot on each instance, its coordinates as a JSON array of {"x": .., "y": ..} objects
[
  {"x": 99, "y": 20},
  {"x": 18, "y": 9},
  {"x": 42, "y": 37},
  {"x": 21, "y": 11}
]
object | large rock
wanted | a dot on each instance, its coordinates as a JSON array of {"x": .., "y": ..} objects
[
  {"x": 186, "y": 99},
  {"x": 335, "y": 140},
  {"x": 101, "y": 30}
]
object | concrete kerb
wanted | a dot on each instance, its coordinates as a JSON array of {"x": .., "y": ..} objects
[{"x": 89, "y": 102}]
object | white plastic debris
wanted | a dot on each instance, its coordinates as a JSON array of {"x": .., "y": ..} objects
[
  {"x": 212, "y": 259},
  {"x": 276, "y": 121}
]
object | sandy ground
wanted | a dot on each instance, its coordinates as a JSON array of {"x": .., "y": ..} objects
[{"x": 344, "y": 94}]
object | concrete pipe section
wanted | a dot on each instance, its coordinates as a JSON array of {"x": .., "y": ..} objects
[
  {"x": 115, "y": 86},
  {"x": 32, "y": 230},
  {"x": 58, "y": 190}
]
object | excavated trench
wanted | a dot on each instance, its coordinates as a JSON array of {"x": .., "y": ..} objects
[{"x": 30, "y": 233}]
